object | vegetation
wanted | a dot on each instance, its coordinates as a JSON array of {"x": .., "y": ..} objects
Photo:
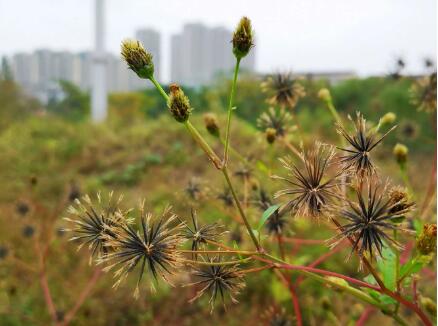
[{"x": 226, "y": 237}]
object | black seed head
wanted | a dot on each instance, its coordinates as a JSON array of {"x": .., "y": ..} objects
[{"x": 283, "y": 90}]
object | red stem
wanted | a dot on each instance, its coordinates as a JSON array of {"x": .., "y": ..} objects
[
  {"x": 84, "y": 294},
  {"x": 365, "y": 316},
  {"x": 294, "y": 296}
]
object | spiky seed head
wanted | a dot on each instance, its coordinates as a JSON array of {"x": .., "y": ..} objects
[
  {"x": 218, "y": 280},
  {"x": 211, "y": 124},
  {"x": 324, "y": 95},
  {"x": 271, "y": 135},
  {"x": 178, "y": 104},
  {"x": 283, "y": 90},
  {"x": 242, "y": 38},
  {"x": 388, "y": 119},
  {"x": 369, "y": 219},
  {"x": 138, "y": 59},
  {"x": 426, "y": 241},
  {"x": 279, "y": 120},
  {"x": 152, "y": 248},
  {"x": 362, "y": 142},
  {"x": 400, "y": 152},
  {"x": 311, "y": 191}
]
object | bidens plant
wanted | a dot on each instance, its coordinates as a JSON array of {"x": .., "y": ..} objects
[{"x": 338, "y": 186}]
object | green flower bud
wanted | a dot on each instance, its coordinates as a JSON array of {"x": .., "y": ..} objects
[
  {"x": 242, "y": 38},
  {"x": 426, "y": 242},
  {"x": 179, "y": 104},
  {"x": 324, "y": 94},
  {"x": 271, "y": 135},
  {"x": 211, "y": 124},
  {"x": 388, "y": 118},
  {"x": 400, "y": 152},
  {"x": 137, "y": 58}
]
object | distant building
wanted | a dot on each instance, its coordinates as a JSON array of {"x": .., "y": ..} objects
[
  {"x": 200, "y": 53},
  {"x": 151, "y": 40}
]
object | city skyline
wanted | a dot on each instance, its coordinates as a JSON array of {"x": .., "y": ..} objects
[{"x": 365, "y": 37}]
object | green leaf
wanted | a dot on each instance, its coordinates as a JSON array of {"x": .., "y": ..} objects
[
  {"x": 262, "y": 167},
  {"x": 266, "y": 214},
  {"x": 387, "y": 266}
]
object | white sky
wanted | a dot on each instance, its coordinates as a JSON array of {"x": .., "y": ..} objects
[{"x": 305, "y": 35}]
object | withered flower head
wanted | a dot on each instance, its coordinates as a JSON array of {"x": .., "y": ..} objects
[
  {"x": 218, "y": 280},
  {"x": 211, "y": 124},
  {"x": 22, "y": 208},
  {"x": 408, "y": 130},
  {"x": 201, "y": 234},
  {"x": 399, "y": 200},
  {"x": 362, "y": 142},
  {"x": 423, "y": 93},
  {"x": 369, "y": 220},
  {"x": 137, "y": 58},
  {"x": 92, "y": 222},
  {"x": 226, "y": 197},
  {"x": 193, "y": 188},
  {"x": 244, "y": 172},
  {"x": 279, "y": 120},
  {"x": 426, "y": 242},
  {"x": 178, "y": 104},
  {"x": 153, "y": 247},
  {"x": 28, "y": 231},
  {"x": 271, "y": 135},
  {"x": 283, "y": 90},
  {"x": 242, "y": 38},
  {"x": 311, "y": 191}
]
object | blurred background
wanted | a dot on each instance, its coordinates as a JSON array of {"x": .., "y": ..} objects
[{"x": 75, "y": 120}]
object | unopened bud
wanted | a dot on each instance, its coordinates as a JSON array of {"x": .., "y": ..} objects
[
  {"x": 137, "y": 58},
  {"x": 211, "y": 124},
  {"x": 426, "y": 242},
  {"x": 388, "y": 118},
  {"x": 178, "y": 103},
  {"x": 324, "y": 94},
  {"x": 242, "y": 38},
  {"x": 271, "y": 135},
  {"x": 400, "y": 152}
]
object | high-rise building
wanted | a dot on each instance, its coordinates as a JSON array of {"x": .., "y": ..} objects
[
  {"x": 200, "y": 53},
  {"x": 151, "y": 40}
]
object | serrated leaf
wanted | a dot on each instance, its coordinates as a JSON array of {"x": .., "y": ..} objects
[
  {"x": 387, "y": 266},
  {"x": 266, "y": 214}
]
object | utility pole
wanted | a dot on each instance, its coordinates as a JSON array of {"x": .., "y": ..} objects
[{"x": 99, "y": 88}]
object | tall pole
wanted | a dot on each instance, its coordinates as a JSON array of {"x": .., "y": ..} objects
[{"x": 99, "y": 89}]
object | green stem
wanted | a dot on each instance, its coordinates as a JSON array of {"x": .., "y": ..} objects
[
  {"x": 239, "y": 207},
  {"x": 159, "y": 88},
  {"x": 203, "y": 144},
  {"x": 230, "y": 109}
]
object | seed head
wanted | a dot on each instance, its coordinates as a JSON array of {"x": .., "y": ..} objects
[
  {"x": 153, "y": 247},
  {"x": 324, "y": 94},
  {"x": 178, "y": 104},
  {"x": 279, "y": 120},
  {"x": 399, "y": 200},
  {"x": 137, "y": 58},
  {"x": 226, "y": 197},
  {"x": 193, "y": 188},
  {"x": 423, "y": 93},
  {"x": 211, "y": 124},
  {"x": 311, "y": 192},
  {"x": 362, "y": 142},
  {"x": 93, "y": 223},
  {"x": 200, "y": 234},
  {"x": 426, "y": 242},
  {"x": 369, "y": 218},
  {"x": 400, "y": 152},
  {"x": 242, "y": 38},
  {"x": 22, "y": 208},
  {"x": 283, "y": 90},
  {"x": 218, "y": 280}
]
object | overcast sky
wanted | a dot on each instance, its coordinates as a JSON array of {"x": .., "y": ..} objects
[{"x": 305, "y": 35}]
